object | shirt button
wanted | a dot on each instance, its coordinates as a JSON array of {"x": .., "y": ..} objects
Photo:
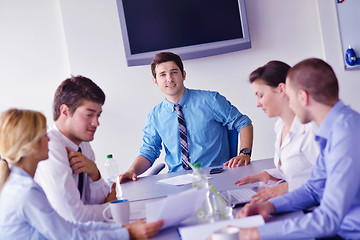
[{"x": 189, "y": 157}]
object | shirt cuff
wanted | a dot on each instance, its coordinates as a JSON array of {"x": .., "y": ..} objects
[{"x": 278, "y": 203}]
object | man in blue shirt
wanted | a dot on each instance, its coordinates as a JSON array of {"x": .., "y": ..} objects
[
  {"x": 208, "y": 116},
  {"x": 334, "y": 184}
]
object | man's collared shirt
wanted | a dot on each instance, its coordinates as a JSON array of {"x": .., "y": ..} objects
[
  {"x": 334, "y": 185},
  {"x": 207, "y": 114},
  {"x": 55, "y": 176}
]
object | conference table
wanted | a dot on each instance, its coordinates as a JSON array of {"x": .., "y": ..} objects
[{"x": 147, "y": 189}]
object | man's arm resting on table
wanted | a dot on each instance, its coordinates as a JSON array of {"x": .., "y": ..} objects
[
  {"x": 140, "y": 165},
  {"x": 246, "y": 141}
]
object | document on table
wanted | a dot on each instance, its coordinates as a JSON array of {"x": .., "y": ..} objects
[
  {"x": 175, "y": 208},
  {"x": 179, "y": 180},
  {"x": 200, "y": 232}
]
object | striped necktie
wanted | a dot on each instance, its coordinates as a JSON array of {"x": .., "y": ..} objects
[
  {"x": 81, "y": 180},
  {"x": 183, "y": 138}
]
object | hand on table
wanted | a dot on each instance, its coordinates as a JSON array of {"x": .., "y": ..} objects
[
  {"x": 242, "y": 159},
  {"x": 253, "y": 208},
  {"x": 260, "y": 177},
  {"x": 270, "y": 192},
  {"x": 141, "y": 229},
  {"x": 79, "y": 163},
  {"x": 126, "y": 176}
]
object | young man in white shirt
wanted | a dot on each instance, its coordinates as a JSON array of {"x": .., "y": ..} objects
[{"x": 70, "y": 177}]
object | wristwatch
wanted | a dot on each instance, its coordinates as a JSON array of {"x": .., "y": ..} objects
[{"x": 246, "y": 151}]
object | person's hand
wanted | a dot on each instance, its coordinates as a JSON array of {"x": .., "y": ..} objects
[
  {"x": 112, "y": 194},
  {"x": 129, "y": 175},
  {"x": 253, "y": 208},
  {"x": 242, "y": 159},
  {"x": 270, "y": 192},
  {"x": 79, "y": 163},
  {"x": 260, "y": 177},
  {"x": 249, "y": 234},
  {"x": 141, "y": 229}
]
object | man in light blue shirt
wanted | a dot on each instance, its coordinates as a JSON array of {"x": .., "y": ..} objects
[
  {"x": 208, "y": 116},
  {"x": 334, "y": 184}
]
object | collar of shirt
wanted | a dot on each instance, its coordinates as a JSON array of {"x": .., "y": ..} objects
[
  {"x": 323, "y": 131},
  {"x": 296, "y": 128},
  {"x": 183, "y": 101},
  {"x": 19, "y": 171},
  {"x": 70, "y": 144}
]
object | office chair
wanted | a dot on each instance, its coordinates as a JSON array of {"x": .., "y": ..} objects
[
  {"x": 155, "y": 170},
  {"x": 233, "y": 145},
  {"x": 233, "y": 142}
]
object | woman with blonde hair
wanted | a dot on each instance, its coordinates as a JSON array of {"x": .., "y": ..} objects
[
  {"x": 25, "y": 210},
  {"x": 295, "y": 147}
]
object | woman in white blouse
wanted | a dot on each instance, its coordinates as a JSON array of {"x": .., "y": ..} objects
[
  {"x": 25, "y": 210},
  {"x": 295, "y": 147}
]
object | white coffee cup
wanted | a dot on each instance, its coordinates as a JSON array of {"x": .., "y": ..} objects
[
  {"x": 227, "y": 233},
  {"x": 120, "y": 211}
]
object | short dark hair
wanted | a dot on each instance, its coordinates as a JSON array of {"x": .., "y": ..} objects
[
  {"x": 166, "y": 57},
  {"x": 73, "y": 91},
  {"x": 273, "y": 73},
  {"x": 317, "y": 78}
]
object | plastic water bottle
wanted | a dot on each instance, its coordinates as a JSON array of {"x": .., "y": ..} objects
[
  {"x": 111, "y": 169},
  {"x": 200, "y": 181}
]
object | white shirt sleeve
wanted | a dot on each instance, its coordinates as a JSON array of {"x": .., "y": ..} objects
[{"x": 60, "y": 184}]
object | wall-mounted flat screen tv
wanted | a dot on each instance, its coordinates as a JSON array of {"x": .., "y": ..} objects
[{"x": 189, "y": 28}]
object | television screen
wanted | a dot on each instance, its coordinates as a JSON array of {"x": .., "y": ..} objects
[{"x": 189, "y": 28}]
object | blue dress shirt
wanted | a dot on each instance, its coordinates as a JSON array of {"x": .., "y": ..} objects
[
  {"x": 334, "y": 185},
  {"x": 25, "y": 213},
  {"x": 207, "y": 114}
]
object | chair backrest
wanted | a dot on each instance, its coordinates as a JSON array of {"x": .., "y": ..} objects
[
  {"x": 156, "y": 169},
  {"x": 233, "y": 142}
]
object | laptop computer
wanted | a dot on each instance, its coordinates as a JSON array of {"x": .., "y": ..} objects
[{"x": 238, "y": 196}]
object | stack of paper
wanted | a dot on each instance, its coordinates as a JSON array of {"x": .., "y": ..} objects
[{"x": 175, "y": 208}]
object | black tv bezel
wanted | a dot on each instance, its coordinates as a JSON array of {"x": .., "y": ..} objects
[{"x": 187, "y": 52}]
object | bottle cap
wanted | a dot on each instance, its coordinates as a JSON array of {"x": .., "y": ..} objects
[
  {"x": 197, "y": 165},
  {"x": 109, "y": 156}
]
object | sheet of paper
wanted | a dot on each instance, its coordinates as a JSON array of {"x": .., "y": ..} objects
[
  {"x": 179, "y": 180},
  {"x": 175, "y": 208},
  {"x": 202, "y": 231}
]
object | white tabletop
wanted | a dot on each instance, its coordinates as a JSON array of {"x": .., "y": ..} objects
[{"x": 147, "y": 189}]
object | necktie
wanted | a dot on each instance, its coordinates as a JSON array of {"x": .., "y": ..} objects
[
  {"x": 81, "y": 180},
  {"x": 183, "y": 138}
]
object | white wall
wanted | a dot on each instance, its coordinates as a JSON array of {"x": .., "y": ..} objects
[{"x": 44, "y": 41}]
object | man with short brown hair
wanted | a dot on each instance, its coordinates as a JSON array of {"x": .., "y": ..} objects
[
  {"x": 70, "y": 177},
  {"x": 334, "y": 184}
]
